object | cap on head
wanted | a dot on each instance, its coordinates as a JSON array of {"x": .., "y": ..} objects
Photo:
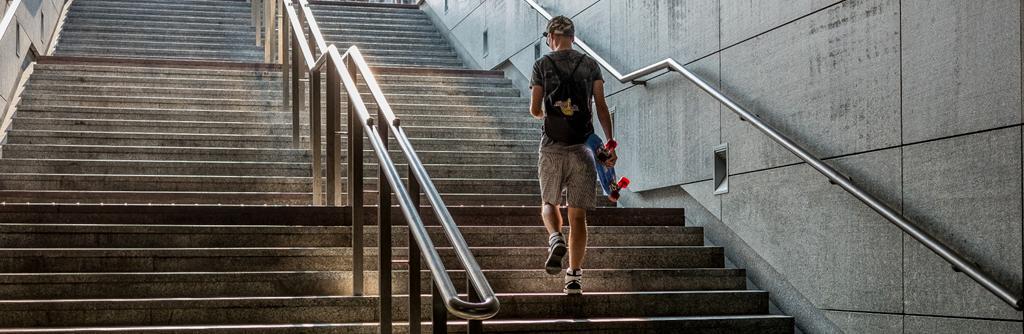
[{"x": 561, "y": 25}]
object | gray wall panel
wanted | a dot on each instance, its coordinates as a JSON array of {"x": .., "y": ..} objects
[
  {"x": 646, "y": 31},
  {"x": 967, "y": 192},
  {"x": 932, "y": 325},
  {"x": 836, "y": 250},
  {"x": 742, "y": 19},
  {"x": 568, "y": 8},
  {"x": 961, "y": 67},
  {"x": 671, "y": 128},
  {"x": 866, "y": 323},
  {"x": 829, "y": 81}
]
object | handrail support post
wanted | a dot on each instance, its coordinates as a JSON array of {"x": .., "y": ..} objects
[
  {"x": 383, "y": 224},
  {"x": 439, "y": 315},
  {"x": 415, "y": 289},
  {"x": 314, "y": 137},
  {"x": 355, "y": 187}
]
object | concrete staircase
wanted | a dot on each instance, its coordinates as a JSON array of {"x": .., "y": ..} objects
[
  {"x": 184, "y": 123},
  {"x": 116, "y": 132},
  {"x": 287, "y": 270},
  {"x": 161, "y": 29}
]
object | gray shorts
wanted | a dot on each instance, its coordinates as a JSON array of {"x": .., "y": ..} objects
[{"x": 569, "y": 169}]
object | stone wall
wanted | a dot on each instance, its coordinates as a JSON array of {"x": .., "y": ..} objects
[{"x": 919, "y": 101}]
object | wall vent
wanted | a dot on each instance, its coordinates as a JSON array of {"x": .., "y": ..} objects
[
  {"x": 721, "y": 169},
  {"x": 485, "y": 44},
  {"x": 17, "y": 39}
]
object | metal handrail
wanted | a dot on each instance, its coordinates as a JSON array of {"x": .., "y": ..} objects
[
  {"x": 344, "y": 67},
  {"x": 959, "y": 262},
  {"x": 8, "y": 17}
]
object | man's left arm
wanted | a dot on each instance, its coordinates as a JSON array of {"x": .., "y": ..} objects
[{"x": 604, "y": 117}]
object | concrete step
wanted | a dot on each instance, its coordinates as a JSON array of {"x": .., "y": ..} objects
[
  {"x": 414, "y": 61},
  {"x": 208, "y": 7},
  {"x": 334, "y": 14},
  {"x": 105, "y": 27},
  {"x": 46, "y": 137},
  {"x": 166, "y": 45},
  {"x": 107, "y": 152},
  {"x": 170, "y": 139},
  {"x": 102, "y": 89},
  {"x": 153, "y": 197},
  {"x": 402, "y": 110},
  {"x": 328, "y": 7},
  {"x": 382, "y": 27},
  {"x": 197, "y": 183},
  {"x": 155, "y": 167},
  {"x": 235, "y": 89},
  {"x": 178, "y": 17},
  {"x": 312, "y": 216},
  {"x": 385, "y": 20},
  {"x": 184, "y": 198},
  {"x": 167, "y": 23},
  {"x": 386, "y": 46},
  {"x": 151, "y": 101},
  {"x": 82, "y": 235},
  {"x": 38, "y": 111},
  {"x": 50, "y": 78},
  {"x": 66, "y": 260},
  {"x": 361, "y": 309},
  {"x": 156, "y": 71},
  {"x": 320, "y": 283},
  {"x": 181, "y": 86},
  {"x": 190, "y": 183},
  {"x": 382, "y": 42},
  {"x": 444, "y": 80},
  {"x": 752, "y": 324},
  {"x": 144, "y": 8},
  {"x": 336, "y": 29},
  {"x": 181, "y": 37},
  {"x": 168, "y": 53}
]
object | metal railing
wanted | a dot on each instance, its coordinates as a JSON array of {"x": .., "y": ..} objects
[
  {"x": 959, "y": 263},
  {"x": 342, "y": 71}
]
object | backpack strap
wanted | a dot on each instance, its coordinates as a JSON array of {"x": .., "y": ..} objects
[{"x": 561, "y": 76}]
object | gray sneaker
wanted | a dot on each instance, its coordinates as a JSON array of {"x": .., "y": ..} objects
[
  {"x": 573, "y": 282},
  {"x": 556, "y": 250}
]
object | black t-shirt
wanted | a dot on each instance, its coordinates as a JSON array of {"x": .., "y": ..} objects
[{"x": 545, "y": 76}]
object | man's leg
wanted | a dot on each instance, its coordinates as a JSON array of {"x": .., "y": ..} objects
[
  {"x": 549, "y": 170},
  {"x": 577, "y": 237},
  {"x": 552, "y": 217}
]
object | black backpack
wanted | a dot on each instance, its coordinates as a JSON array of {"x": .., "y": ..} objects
[{"x": 567, "y": 108}]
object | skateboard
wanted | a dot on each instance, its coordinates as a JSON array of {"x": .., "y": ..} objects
[{"x": 606, "y": 175}]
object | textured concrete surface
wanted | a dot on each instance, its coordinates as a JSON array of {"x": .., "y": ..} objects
[
  {"x": 866, "y": 323},
  {"x": 839, "y": 77},
  {"x": 832, "y": 247},
  {"x": 787, "y": 298},
  {"x": 742, "y": 19},
  {"x": 703, "y": 192},
  {"x": 830, "y": 82},
  {"x": 961, "y": 67},
  {"x": 673, "y": 127},
  {"x": 656, "y": 29},
  {"x": 934, "y": 325},
  {"x": 965, "y": 191}
]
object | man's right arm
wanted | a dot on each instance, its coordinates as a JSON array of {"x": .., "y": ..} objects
[{"x": 535, "y": 98}]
